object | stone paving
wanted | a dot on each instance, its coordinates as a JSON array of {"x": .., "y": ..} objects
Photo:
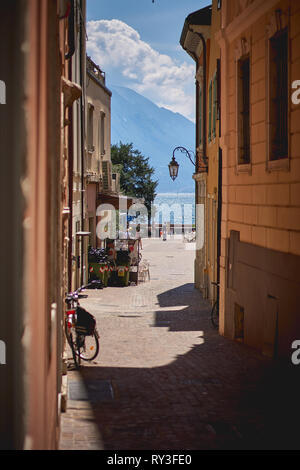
[{"x": 165, "y": 379}]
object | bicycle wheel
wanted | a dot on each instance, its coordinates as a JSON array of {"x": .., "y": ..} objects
[
  {"x": 89, "y": 348},
  {"x": 215, "y": 314},
  {"x": 74, "y": 348},
  {"x": 72, "y": 341}
]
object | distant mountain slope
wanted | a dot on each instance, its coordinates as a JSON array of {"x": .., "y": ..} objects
[{"x": 155, "y": 132}]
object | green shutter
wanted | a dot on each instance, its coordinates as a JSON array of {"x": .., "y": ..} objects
[
  {"x": 209, "y": 111},
  {"x": 214, "y": 105},
  {"x": 200, "y": 116}
]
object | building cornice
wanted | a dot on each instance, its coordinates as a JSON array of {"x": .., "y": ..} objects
[
  {"x": 99, "y": 83},
  {"x": 200, "y": 176},
  {"x": 249, "y": 16}
]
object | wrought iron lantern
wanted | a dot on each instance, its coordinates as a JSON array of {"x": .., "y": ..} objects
[{"x": 174, "y": 166}]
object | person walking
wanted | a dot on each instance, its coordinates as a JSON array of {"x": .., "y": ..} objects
[
  {"x": 138, "y": 235},
  {"x": 164, "y": 232}
]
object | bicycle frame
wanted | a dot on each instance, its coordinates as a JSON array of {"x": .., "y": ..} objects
[
  {"x": 214, "y": 314},
  {"x": 76, "y": 343},
  {"x": 71, "y": 320}
]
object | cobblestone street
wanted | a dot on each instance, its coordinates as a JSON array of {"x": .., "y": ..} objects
[{"x": 164, "y": 379}]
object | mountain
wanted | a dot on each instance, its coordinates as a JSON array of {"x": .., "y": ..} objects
[{"x": 155, "y": 132}]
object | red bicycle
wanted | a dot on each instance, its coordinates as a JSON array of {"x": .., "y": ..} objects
[{"x": 80, "y": 327}]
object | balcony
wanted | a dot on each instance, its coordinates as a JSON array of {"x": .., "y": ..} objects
[{"x": 95, "y": 70}]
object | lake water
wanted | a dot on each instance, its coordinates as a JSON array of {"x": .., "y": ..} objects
[{"x": 176, "y": 208}]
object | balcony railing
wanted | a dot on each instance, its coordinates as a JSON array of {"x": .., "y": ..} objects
[{"x": 95, "y": 70}]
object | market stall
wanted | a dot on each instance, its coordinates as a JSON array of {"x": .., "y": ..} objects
[
  {"x": 117, "y": 263},
  {"x": 127, "y": 257},
  {"x": 100, "y": 266}
]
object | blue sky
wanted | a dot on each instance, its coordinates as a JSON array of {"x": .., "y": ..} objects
[{"x": 136, "y": 42}]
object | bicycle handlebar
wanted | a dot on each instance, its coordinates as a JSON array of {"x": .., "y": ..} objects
[{"x": 76, "y": 294}]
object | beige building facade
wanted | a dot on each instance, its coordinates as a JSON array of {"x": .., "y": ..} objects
[
  {"x": 260, "y": 262},
  {"x": 36, "y": 49},
  {"x": 99, "y": 167},
  {"x": 78, "y": 196},
  {"x": 247, "y": 179},
  {"x": 92, "y": 169}
]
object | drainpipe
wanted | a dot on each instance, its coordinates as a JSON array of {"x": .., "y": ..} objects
[
  {"x": 219, "y": 217},
  {"x": 82, "y": 122},
  {"x": 71, "y": 160},
  {"x": 70, "y": 14},
  {"x": 71, "y": 35},
  {"x": 68, "y": 56}
]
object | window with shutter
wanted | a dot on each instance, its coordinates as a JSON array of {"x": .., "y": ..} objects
[
  {"x": 102, "y": 133},
  {"x": 243, "y": 105},
  {"x": 200, "y": 117},
  {"x": 90, "y": 130},
  {"x": 209, "y": 111},
  {"x": 278, "y": 95},
  {"x": 214, "y": 106}
]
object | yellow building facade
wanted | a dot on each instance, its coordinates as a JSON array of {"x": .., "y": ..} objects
[
  {"x": 248, "y": 176},
  {"x": 197, "y": 39},
  {"x": 260, "y": 132}
]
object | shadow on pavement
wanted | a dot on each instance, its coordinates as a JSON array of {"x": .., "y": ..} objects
[
  {"x": 218, "y": 395},
  {"x": 188, "y": 406},
  {"x": 191, "y": 312}
]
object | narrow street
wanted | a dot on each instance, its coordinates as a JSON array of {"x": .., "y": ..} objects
[
  {"x": 128, "y": 117},
  {"x": 164, "y": 379}
]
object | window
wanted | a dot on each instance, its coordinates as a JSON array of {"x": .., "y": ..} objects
[
  {"x": 102, "y": 134},
  {"x": 209, "y": 111},
  {"x": 278, "y": 95},
  {"x": 219, "y": 93},
  {"x": 243, "y": 110},
  {"x": 214, "y": 105},
  {"x": 212, "y": 109},
  {"x": 214, "y": 237},
  {"x": 91, "y": 230},
  {"x": 90, "y": 130},
  {"x": 200, "y": 110},
  {"x": 209, "y": 226}
]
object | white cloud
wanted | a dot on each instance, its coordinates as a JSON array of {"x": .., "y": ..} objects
[{"x": 119, "y": 50}]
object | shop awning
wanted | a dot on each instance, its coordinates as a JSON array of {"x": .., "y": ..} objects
[{"x": 119, "y": 202}]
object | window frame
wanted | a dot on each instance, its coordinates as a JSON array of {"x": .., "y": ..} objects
[
  {"x": 243, "y": 49},
  {"x": 102, "y": 125},
  {"x": 240, "y": 109},
  {"x": 210, "y": 111},
  {"x": 278, "y": 24},
  {"x": 90, "y": 129},
  {"x": 200, "y": 117},
  {"x": 214, "y": 105},
  {"x": 209, "y": 229}
]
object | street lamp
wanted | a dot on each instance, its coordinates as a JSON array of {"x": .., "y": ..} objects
[{"x": 174, "y": 166}]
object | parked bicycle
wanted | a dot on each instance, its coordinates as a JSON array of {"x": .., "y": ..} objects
[
  {"x": 80, "y": 327},
  {"x": 214, "y": 314}
]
